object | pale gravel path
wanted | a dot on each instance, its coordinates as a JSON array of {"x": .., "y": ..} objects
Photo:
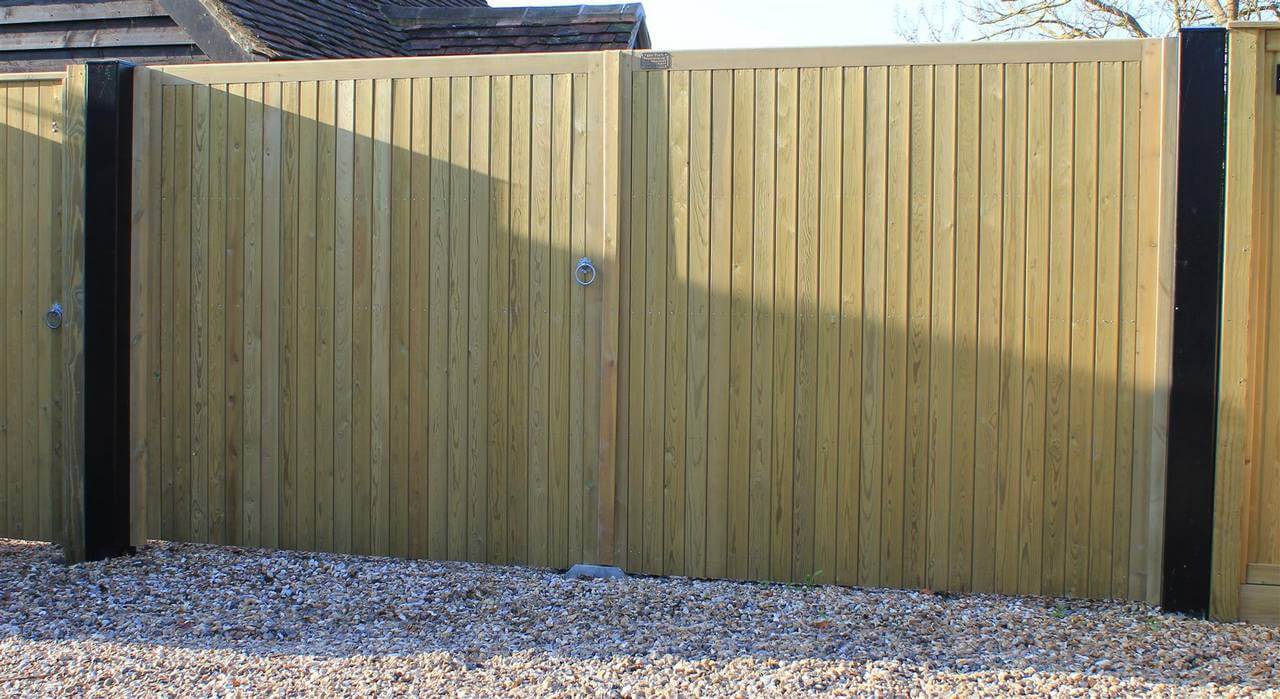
[{"x": 195, "y": 620}]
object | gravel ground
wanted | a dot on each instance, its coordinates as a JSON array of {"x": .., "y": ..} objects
[{"x": 200, "y": 620}]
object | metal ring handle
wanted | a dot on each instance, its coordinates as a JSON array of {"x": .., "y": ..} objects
[
  {"x": 585, "y": 273},
  {"x": 53, "y": 317}
]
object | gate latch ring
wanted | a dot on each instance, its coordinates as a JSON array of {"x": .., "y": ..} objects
[
  {"x": 53, "y": 317},
  {"x": 585, "y": 273}
]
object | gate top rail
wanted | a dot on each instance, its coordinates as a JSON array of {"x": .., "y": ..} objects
[{"x": 908, "y": 54}]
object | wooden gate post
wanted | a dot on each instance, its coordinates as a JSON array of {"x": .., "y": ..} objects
[
  {"x": 1202, "y": 105},
  {"x": 98, "y": 136}
]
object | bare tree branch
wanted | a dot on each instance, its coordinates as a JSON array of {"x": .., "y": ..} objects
[{"x": 1083, "y": 19}]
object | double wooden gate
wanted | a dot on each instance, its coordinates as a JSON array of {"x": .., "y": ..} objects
[{"x": 891, "y": 317}]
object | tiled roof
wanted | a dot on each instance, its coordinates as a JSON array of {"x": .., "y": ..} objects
[
  {"x": 288, "y": 29},
  {"x": 432, "y": 32}
]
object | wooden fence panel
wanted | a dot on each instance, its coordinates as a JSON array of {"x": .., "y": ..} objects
[
  {"x": 942, "y": 327},
  {"x": 31, "y": 242},
  {"x": 368, "y": 335},
  {"x": 1246, "y": 542}
]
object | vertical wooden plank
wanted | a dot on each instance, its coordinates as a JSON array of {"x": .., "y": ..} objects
[
  {"x": 943, "y": 348},
  {"x": 586, "y": 515},
  {"x": 216, "y": 312},
  {"x": 30, "y": 300},
  {"x": 830, "y": 263},
  {"x": 140, "y": 321},
  {"x": 740, "y": 322},
  {"x": 637, "y": 268},
  {"x": 623, "y": 490},
  {"x": 276, "y": 321},
  {"x": 181, "y": 235},
  {"x": 1084, "y": 231},
  {"x": 234, "y": 259},
  {"x": 155, "y": 274},
  {"x": 362, "y": 348},
  {"x": 762, "y": 322},
  {"x": 779, "y": 263},
  {"x": 986, "y": 442},
  {"x": 918, "y": 326},
  {"x": 1058, "y": 374},
  {"x": 603, "y": 147},
  {"x": 1012, "y": 328},
  {"x": 896, "y": 319},
  {"x": 381, "y": 340},
  {"x": 655, "y": 240},
  {"x": 677, "y": 296},
  {"x": 697, "y": 397},
  {"x": 13, "y": 306},
  {"x": 804, "y": 520},
  {"x": 419, "y": 315},
  {"x": 559, "y": 322},
  {"x": 720, "y": 254},
  {"x": 477, "y": 324},
  {"x": 251, "y": 491},
  {"x": 849, "y": 485},
  {"x": 968, "y": 350},
  {"x": 874, "y": 330},
  {"x": 539, "y": 320},
  {"x": 200, "y": 290},
  {"x": 48, "y": 461},
  {"x": 1127, "y": 372},
  {"x": 401, "y": 303},
  {"x": 72, "y": 272},
  {"x": 1160, "y": 157},
  {"x": 1036, "y": 319},
  {"x": 500, "y": 246},
  {"x": 51, "y": 170},
  {"x": 300, "y": 263},
  {"x": 518, "y": 295},
  {"x": 458, "y": 282},
  {"x": 7, "y": 465},
  {"x": 325, "y": 395},
  {"x": 1106, "y": 349},
  {"x": 344, "y": 328},
  {"x": 291, "y": 200}
]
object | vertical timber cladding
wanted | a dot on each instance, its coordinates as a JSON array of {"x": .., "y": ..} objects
[
  {"x": 1246, "y": 537},
  {"x": 31, "y": 181},
  {"x": 899, "y": 316},
  {"x": 360, "y": 330}
]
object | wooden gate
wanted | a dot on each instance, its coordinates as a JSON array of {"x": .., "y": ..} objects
[
  {"x": 361, "y": 330},
  {"x": 31, "y": 183},
  {"x": 899, "y": 316}
]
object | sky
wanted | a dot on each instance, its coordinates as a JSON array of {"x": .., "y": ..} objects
[{"x": 704, "y": 24}]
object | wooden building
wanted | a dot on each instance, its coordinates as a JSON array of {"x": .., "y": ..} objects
[{"x": 43, "y": 35}]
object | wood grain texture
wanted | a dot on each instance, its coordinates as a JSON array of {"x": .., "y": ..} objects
[
  {"x": 876, "y": 322},
  {"x": 915, "y": 391}
]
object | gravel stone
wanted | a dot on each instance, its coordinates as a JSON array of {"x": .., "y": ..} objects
[{"x": 181, "y": 619}]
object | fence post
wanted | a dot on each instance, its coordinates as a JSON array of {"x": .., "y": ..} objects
[
  {"x": 1202, "y": 105},
  {"x": 97, "y": 192}
]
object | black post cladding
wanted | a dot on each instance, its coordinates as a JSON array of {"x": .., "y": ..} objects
[
  {"x": 1193, "y": 399},
  {"x": 108, "y": 188}
]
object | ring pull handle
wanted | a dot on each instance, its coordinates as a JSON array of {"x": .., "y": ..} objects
[
  {"x": 585, "y": 273},
  {"x": 53, "y": 317}
]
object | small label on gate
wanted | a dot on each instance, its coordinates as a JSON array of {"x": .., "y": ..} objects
[{"x": 659, "y": 60}]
